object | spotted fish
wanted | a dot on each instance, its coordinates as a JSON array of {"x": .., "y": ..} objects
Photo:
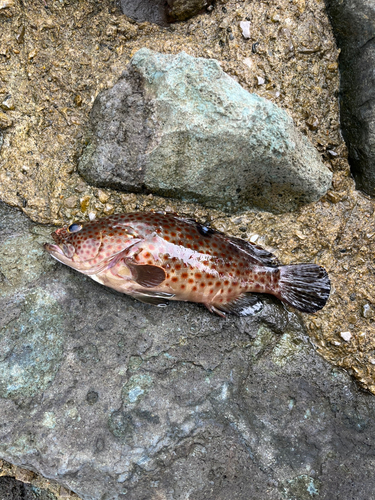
[{"x": 157, "y": 257}]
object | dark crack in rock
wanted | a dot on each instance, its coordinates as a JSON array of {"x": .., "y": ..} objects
[{"x": 354, "y": 28}]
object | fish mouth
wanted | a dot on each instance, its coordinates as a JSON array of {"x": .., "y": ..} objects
[
  {"x": 52, "y": 249},
  {"x": 56, "y": 252}
]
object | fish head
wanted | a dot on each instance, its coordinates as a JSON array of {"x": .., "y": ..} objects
[{"x": 88, "y": 246}]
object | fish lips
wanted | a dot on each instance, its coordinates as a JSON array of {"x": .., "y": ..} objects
[
  {"x": 52, "y": 249},
  {"x": 57, "y": 253}
]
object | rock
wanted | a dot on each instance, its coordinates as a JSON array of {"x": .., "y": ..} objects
[
  {"x": 245, "y": 27},
  {"x": 354, "y": 27},
  {"x": 162, "y": 11},
  {"x": 116, "y": 399},
  {"x": 179, "y": 126},
  {"x": 11, "y": 489},
  {"x": 5, "y": 121},
  {"x": 153, "y": 11},
  {"x": 181, "y": 10}
]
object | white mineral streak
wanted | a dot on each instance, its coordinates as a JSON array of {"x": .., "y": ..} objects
[
  {"x": 245, "y": 26},
  {"x": 346, "y": 336}
]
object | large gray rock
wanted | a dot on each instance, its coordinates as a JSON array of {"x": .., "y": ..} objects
[
  {"x": 354, "y": 28},
  {"x": 179, "y": 126},
  {"x": 119, "y": 400}
]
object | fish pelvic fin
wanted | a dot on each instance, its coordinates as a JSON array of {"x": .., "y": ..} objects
[{"x": 304, "y": 286}]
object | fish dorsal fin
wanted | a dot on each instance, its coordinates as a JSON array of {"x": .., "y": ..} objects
[
  {"x": 246, "y": 304},
  {"x": 146, "y": 275},
  {"x": 259, "y": 254}
]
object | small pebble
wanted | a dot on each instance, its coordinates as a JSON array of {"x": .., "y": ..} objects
[
  {"x": 103, "y": 197},
  {"x": 346, "y": 336},
  {"x": 109, "y": 209},
  {"x": 366, "y": 311},
  {"x": 248, "y": 62},
  {"x": 5, "y": 4},
  {"x": 254, "y": 237},
  {"x": 5, "y": 121},
  {"x": 254, "y": 47},
  {"x": 261, "y": 80},
  {"x": 71, "y": 202},
  {"x": 92, "y": 215},
  {"x": 32, "y": 54},
  {"x": 84, "y": 202},
  {"x": 245, "y": 26}
]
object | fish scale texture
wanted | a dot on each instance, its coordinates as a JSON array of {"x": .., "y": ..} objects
[
  {"x": 179, "y": 126},
  {"x": 120, "y": 400}
]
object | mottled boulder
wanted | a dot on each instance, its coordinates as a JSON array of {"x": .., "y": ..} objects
[
  {"x": 119, "y": 400},
  {"x": 162, "y": 11},
  {"x": 354, "y": 28},
  {"x": 179, "y": 126}
]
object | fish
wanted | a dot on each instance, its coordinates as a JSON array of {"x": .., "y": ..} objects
[{"x": 156, "y": 257}]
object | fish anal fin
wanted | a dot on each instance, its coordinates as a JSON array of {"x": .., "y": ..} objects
[
  {"x": 146, "y": 275},
  {"x": 246, "y": 304}
]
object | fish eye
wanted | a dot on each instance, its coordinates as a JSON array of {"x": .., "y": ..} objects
[{"x": 74, "y": 228}]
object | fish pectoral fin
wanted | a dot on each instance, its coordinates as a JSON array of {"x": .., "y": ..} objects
[
  {"x": 159, "y": 299},
  {"x": 146, "y": 275},
  {"x": 246, "y": 304}
]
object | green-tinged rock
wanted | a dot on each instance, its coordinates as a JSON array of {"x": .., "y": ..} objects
[{"x": 180, "y": 127}]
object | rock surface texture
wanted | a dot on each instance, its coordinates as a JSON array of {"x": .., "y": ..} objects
[
  {"x": 178, "y": 126},
  {"x": 118, "y": 400},
  {"x": 354, "y": 27}
]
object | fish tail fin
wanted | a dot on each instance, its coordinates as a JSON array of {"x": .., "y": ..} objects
[{"x": 304, "y": 286}]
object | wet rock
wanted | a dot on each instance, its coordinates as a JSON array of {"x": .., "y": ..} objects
[
  {"x": 180, "y": 127},
  {"x": 162, "y": 11},
  {"x": 142, "y": 402},
  {"x": 354, "y": 27}
]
